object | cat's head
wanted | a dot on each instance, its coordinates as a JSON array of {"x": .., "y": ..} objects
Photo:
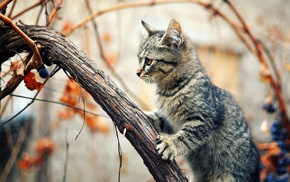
[{"x": 160, "y": 52}]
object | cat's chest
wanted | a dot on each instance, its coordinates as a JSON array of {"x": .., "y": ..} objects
[{"x": 172, "y": 108}]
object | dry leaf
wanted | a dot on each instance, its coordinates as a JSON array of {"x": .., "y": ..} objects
[
  {"x": 66, "y": 26},
  {"x": 26, "y": 161},
  {"x": 17, "y": 67},
  {"x": 31, "y": 83},
  {"x": 44, "y": 145},
  {"x": 71, "y": 96},
  {"x": 97, "y": 124},
  {"x": 107, "y": 37}
]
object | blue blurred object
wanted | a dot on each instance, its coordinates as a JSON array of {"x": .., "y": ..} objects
[
  {"x": 42, "y": 71},
  {"x": 270, "y": 178},
  {"x": 283, "y": 178},
  {"x": 269, "y": 107}
]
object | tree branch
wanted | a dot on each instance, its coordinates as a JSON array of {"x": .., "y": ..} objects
[{"x": 124, "y": 113}]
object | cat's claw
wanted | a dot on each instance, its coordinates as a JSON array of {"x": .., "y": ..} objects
[
  {"x": 158, "y": 141},
  {"x": 166, "y": 147}
]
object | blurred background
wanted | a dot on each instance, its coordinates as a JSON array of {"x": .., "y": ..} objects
[{"x": 51, "y": 141}]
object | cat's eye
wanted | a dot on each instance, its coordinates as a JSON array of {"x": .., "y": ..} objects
[{"x": 148, "y": 61}]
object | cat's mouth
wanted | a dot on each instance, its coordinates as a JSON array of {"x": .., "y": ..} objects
[{"x": 146, "y": 78}]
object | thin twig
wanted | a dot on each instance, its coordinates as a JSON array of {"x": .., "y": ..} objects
[
  {"x": 3, "y": 109},
  {"x": 46, "y": 11},
  {"x": 84, "y": 109},
  {"x": 9, "y": 137},
  {"x": 59, "y": 103},
  {"x": 243, "y": 22},
  {"x": 4, "y": 4},
  {"x": 39, "y": 14},
  {"x": 54, "y": 11},
  {"x": 120, "y": 154},
  {"x": 272, "y": 62},
  {"x": 25, "y": 10},
  {"x": 66, "y": 157},
  {"x": 96, "y": 30},
  {"x": 12, "y": 8}
]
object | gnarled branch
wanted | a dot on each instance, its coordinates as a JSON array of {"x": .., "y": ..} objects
[{"x": 124, "y": 113}]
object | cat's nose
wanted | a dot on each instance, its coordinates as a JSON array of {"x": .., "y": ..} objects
[{"x": 138, "y": 74}]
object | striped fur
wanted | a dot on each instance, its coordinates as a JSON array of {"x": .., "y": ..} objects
[{"x": 195, "y": 118}]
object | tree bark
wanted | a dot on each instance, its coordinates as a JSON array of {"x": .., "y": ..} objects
[{"x": 123, "y": 112}]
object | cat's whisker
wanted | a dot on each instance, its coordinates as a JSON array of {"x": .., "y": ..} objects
[
  {"x": 131, "y": 45},
  {"x": 132, "y": 77},
  {"x": 140, "y": 85}
]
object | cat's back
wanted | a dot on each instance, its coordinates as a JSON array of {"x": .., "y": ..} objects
[{"x": 230, "y": 146}]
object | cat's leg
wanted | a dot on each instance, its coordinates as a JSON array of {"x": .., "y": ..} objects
[
  {"x": 224, "y": 177},
  {"x": 160, "y": 123},
  {"x": 192, "y": 135}
]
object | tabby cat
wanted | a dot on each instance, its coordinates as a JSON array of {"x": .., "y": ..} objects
[{"x": 195, "y": 118}]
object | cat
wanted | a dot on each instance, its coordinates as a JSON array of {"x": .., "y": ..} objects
[{"x": 195, "y": 118}]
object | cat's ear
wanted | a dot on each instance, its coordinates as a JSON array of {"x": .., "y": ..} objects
[
  {"x": 173, "y": 35},
  {"x": 149, "y": 29}
]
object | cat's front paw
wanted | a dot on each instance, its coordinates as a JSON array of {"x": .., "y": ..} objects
[{"x": 166, "y": 147}]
